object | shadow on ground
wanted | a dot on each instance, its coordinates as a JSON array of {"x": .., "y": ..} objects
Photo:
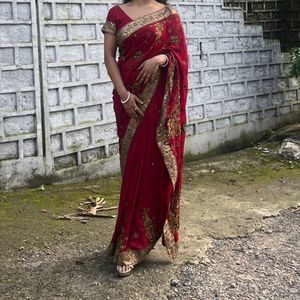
[{"x": 226, "y": 196}]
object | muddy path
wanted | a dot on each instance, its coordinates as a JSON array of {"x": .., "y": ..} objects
[{"x": 225, "y": 196}]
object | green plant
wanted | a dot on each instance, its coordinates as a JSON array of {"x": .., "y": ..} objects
[{"x": 295, "y": 59}]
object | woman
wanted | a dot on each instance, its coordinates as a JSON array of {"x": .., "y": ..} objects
[{"x": 149, "y": 96}]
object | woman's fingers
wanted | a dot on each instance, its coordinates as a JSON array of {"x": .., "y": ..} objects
[
  {"x": 147, "y": 78},
  {"x": 141, "y": 65},
  {"x": 138, "y": 100}
]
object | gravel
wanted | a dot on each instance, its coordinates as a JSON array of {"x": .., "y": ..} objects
[{"x": 262, "y": 265}]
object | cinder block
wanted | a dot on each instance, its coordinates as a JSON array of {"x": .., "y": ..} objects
[
  {"x": 96, "y": 52},
  {"x": 8, "y": 102},
  {"x": 15, "y": 33},
  {"x": 202, "y": 95},
  {"x": 62, "y": 118},
  {"x": 238, "y": 105},
  {"x": 24, "y": 11},
  {"x": 213, "y": 109},
  {"x": 113, "y": 149},
  {"x": 205, "y": 126},
  {"x": 105, "y": 132},
  {"x": 267, "y": 85},
  {"x": 251, "y": 57},
  {"x": 196, "y": 29},
  {"x": 56, "y": 33},
  {"x": 83, "y": 32},
  {"x": 96, "y": 11},
  {"x": 254, "y": 86},
  {"x": 19, "y": 125},
  {"x": 66, "y": 161},
  {"x": 27, "y": 101},
  {"x": 74, "y": 94},
  {"x": 215, "y": 28},
  {"x": 228, "y": 74},
  {"x": 87, "y": 72},
  {"x": 188, "y": 11},
  {"x": 237, "y": 89},
  {"x": 6, "y": 12},
  {"x": 220, "y": 91},
  {"x": 277, "y": 98},
  {"x": 234, "y": 58},
  {"x": 211, "y": 76},
  {"x": 90, "y": 114},
  {"x": 58, "y": 74},
  {"x": 102, "y": 91},
  {"x": 50, "y": 54},
  {"x": 195, "y": 112},
  {"x": 56, "y": 143},
  {"x": 71, "y": 53},
  {"x": 7, "y": 56},
  {"x": 245, "y": 72},
  {"x": 8, "y": 150},
  {"x": 239, "y": 119},
  {"x": 53, "y": 97},
  {"x": 25, "y": 56},
  {"x": 225, "y": 43},
  {"x": 78, "y": 139},
  {"x": 216, "y": 60},
  {"x": 223, "y": 123},
  {"x": 68, "y": 11},
  {"x": 91, "y": 155},
  {"x": 29, "y": 148},
  {"x": 17, "y": 78}
]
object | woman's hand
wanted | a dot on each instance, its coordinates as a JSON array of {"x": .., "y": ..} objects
[
  {"x": 149, "y": 67},
  {"x": 132, "y": 108}
]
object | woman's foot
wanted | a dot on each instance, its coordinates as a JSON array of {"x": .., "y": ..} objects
[{"x": 124, "y": 270}]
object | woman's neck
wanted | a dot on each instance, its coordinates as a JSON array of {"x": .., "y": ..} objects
[{"x": 143, "y": 2}]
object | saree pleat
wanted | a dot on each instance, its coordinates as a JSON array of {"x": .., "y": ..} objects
[{"x": 151, "y": 151}]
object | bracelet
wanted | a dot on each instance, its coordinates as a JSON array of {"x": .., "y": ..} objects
[
  {"x": 166, "y": 61},
  {"x": 124, "y": 101}
]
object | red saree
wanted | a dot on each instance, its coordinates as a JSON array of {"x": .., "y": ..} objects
[{"x": 151, "y": 151}]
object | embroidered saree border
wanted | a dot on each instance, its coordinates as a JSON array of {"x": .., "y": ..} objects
[
  {"x": 110, "y": 27},
  {"x": 146, "y": 97},
  {"x": 171, "y": 224},
  {"x": 135, "y": 25},
  {"x": 162, "y": 131}
]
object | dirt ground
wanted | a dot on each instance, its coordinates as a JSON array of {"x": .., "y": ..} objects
[
  {"x": 233, "y": 237},
  {"x": 264, "y": 265}
]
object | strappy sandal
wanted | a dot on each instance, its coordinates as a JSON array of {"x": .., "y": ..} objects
[{"x": 122, "y": 273}]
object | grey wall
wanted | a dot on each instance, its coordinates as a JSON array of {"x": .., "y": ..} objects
[{"x": 56, "y": 115}]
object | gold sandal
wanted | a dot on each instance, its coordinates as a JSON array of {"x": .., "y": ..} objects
[{"x": 122, "y": 273}]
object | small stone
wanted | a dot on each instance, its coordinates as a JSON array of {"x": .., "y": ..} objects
[
  {"x": 83, "y": 221},
  {"x": 174, "y": 282}
]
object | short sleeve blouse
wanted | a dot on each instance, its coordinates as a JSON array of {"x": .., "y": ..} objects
[{"x": 112, "y": 21}]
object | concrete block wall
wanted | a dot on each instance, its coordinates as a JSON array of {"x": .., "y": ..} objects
[
  {"x": 238, "y": 83},
  {"x": 80, "y": 121},
  {"x": 20, "y": 108},
  {"x": 279, "y": 18}
]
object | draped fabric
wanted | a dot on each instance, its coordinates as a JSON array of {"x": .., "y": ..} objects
[{"x": 151, "y": 151}]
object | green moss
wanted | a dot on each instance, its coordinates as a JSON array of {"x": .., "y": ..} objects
[
  {"x": 245, "y": 140},
  {"x": 21, "y": 210}
]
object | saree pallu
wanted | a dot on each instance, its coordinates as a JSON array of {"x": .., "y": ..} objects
[{"x": 151, "y": 150}]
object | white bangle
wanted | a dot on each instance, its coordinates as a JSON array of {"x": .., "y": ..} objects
[
  {"x": 124, "y": 101},
  {"x": 166, "y": 61}
]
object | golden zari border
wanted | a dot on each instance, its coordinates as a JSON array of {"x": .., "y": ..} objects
[
  {"x": 129, "y": 257},
  {"x": 109, "y": 27},
  {"x": 163, "y": 134},
  {"x": 162, "y": 131},
  {"x": 135, "y": 25},
  {"x": 146, "y": 97}
]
